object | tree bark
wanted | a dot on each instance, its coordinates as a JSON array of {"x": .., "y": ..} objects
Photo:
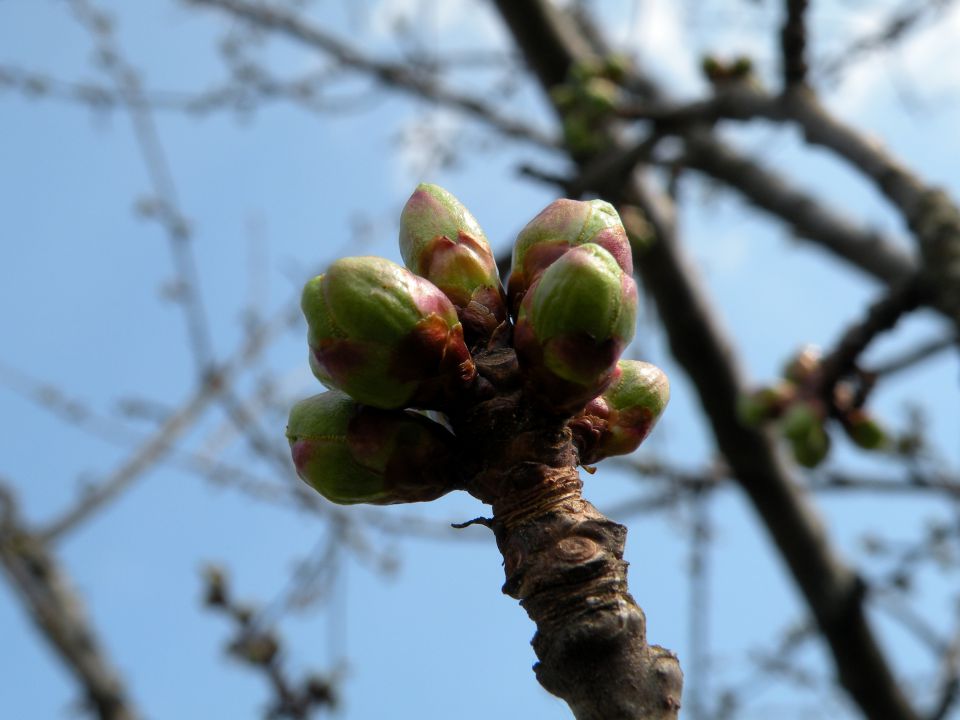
[{"x": 563, "y": 560}]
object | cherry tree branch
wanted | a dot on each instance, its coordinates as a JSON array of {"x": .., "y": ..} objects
[
  {"x": 42, "y": 586},
  {"x": 392, "y": 74},
  {"x": 833, "y": 592}
]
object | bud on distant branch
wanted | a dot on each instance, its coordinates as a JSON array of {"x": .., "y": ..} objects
[
  {"x": 351, "y": 453},
  {"x": 573, "y": 325},
  {"x": 384, "y": 336},
  {"x": 616, "y": 422},
  {"x": 441, "y": 241}
]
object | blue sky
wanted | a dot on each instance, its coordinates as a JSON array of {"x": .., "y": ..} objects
[{"x": 271, "y": 198}]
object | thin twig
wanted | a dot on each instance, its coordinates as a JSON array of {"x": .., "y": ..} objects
[
  {"x": 43, "y": 588},
  {"x": 393, "y": 75}
]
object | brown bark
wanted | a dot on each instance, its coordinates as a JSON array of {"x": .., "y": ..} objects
[{"x": 563, "y": 560}]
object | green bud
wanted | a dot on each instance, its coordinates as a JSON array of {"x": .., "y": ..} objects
[
  {"x": 384, "y": 336},
  {"x": 803, "y": 426},
  {"x": 765, "y": 403},
  {"x": 864, "y": 430},
  {"x": 573, "y": 325},
  {"x": 616, "y": 422},
  {"x": 441, "y": 241},
  {"x": 562, "y": 225},
  {"x": 351, "y": 453},
  {"x": 581, "y": 134},
  {"x": 812, "y": 449}
]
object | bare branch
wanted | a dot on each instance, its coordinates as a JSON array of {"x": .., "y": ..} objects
[
  {"x": 880, "y": 317},
  {"x": 793, "y": 43},
  {"x": 394, "y": 75},
  {"x": 174, "y": 222},
  {"x": 162, "y": 441},
  {"x": 918, "y": 354},
  {"x": 43, "y": 588},
  {"x": 901, "y": 23}
]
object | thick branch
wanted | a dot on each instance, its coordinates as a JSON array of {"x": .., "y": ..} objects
[
  {"x": 833, "y": 592},
  {"x": 866, "y": 250},
  {"x": 39, "y": 581},
  {"x": 563, "y": 560}
]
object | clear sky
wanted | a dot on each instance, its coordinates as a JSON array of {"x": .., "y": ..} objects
[{"x": 271, "y": 197}]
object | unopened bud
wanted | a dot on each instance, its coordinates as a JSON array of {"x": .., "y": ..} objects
[
  {"x": 441, "y": 241},
  {"x": 562, "y": 225},
  {"x": 616, "y": 422},
  {"x": 803, "y": 426},
  {"x": 864, "y": 430},
  {"x": 802, "y": 366},
  {"x": 384, "y": 336},
  {"x": 351, "y": 453},
  {"x": 766, "y": 403},
  {"x": 573, "y": 325}
]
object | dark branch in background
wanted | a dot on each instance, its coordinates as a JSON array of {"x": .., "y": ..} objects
[
  {"x": 793, "y": 43},
  {"x": 151, "y": 149},
  {"x": 880, "y": 317},
  {"x": 697, "y": 670},
  {"x": 932, "y": 216},
  {"x": 833, "y": 592},
  {"x": 808, "y": 216},
  {"x": 904, "y": 20},
  {"x": 262, "y": 649},
  {"x": 161, "y": 443},
  {"x": 921, "y": 352},
  {"x": 38, "y": 580},
  {"x": 239, "y": 94},
  {"x": 395, "y": 75}
]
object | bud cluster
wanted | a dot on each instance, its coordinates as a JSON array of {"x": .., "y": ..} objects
[
  {"x": 387, "y": 338},
  {"x": 588, "y": 98},
  {"x": 797, "y": 405}
]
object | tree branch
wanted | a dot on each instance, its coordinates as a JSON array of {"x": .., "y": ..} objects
[
  {"x": 394, "y": 75},
  {"x": 833, "y": 592},
  {"x": 793, "y": 43},
  {"x": 44, "y": 590}
]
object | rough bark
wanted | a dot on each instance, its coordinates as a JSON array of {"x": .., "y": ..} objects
[{"x": 563, "y": 560}]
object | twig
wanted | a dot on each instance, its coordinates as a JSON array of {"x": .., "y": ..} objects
[
  {"x": 880, "y": 317},
  {"x": 896, "y": 29},
  {"x": 793, "y": 43},
  {"x": 162, "y": 441},
  {"x": 151, "y": 149},
  {"x": 43, "y": 588},
  {"x": 916, "y": 355},
  {"x": 394, "y": 75}
]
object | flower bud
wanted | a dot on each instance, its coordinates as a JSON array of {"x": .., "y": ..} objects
[
  {"x": 384, "y": 336},
  {"x": 562, "y": 225},
  {"x": 802, "y": 366},
  {"x": 351, "y": 453},
  {"x": 616, "y": 422},
  {"x": 441, "y": 241},
  {"x": 573, "y": 325},
  {"x": 864, "y": 430},
  {"x": 803, "y": 427},
  {"x": 766, "y": 403}
]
